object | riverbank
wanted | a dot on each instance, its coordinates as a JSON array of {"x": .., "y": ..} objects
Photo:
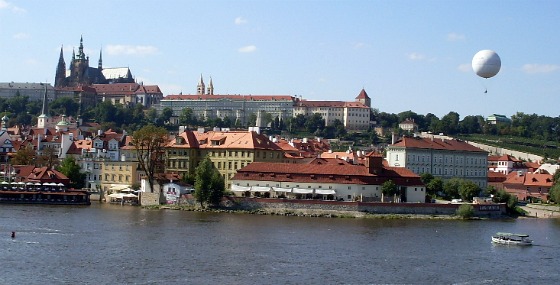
[
  {"x": 311, "y": 213},
  {"x": 541, "y": 211}
]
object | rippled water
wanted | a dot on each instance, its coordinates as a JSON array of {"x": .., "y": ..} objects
[{"x": 109, "y": 244}]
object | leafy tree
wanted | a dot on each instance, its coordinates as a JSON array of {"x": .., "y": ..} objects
[
  {"x": 314, "y": 122},
  {"x": 209, "y": 184},
  {"x": 149, "y": 143},
  {"x": 554, "y": 193},
  {"x": 451, "y": 188},
  {"x": 468, "y": 190},
  {"x": 556, "y": 176},
  {"x": 64, "y": 106},
  {"x": 24, "y": 156},
  {"x": 426, "y": 178},
  {"x": 72, "y": 170},
  {"x": 434, "y": 186},
  {"x": 504, "y": 197},
  {"x": 166, "y": 115},
  {"x": 187, "y": 118},
  {"x": 48, "y": 158},
  {"x": 388, "y": 188}
]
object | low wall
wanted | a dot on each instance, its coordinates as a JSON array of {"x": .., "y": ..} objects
[{"x": 361, "y": 208}]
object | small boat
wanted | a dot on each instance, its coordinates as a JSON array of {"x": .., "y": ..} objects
[{"x": 511, "y": 239}]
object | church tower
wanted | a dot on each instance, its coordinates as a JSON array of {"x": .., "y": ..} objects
[
  {"x": 210, "y": 90},
  {"x": 200, "y": 87},
  {"x": 44, "y": 118},
  {"x": 60, "y": 76},
  {"x": 80, "y": 64}
]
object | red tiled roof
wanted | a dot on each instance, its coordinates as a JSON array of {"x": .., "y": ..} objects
[
  {"x": 330, "y": 104},
  {"x": 326, "y": 173},
  {"x": 362, "y": 95},
  {"x": 232, "y": 97},
  {"x": 438, "y": 144}
]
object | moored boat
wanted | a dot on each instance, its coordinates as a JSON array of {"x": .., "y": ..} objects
[{"x": 511, "y": 239}]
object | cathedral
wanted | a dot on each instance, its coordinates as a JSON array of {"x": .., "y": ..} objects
[{"x": 80, "y": 73}]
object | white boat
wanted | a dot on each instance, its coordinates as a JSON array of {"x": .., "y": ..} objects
[{"x": 511, "y": 239}]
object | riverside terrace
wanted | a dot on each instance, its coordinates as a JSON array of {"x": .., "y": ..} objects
[{"x": 41, "y": 193}]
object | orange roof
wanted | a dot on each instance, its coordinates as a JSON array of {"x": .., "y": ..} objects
[
  {"x": 224, "y": 140},
  {"x": 331, "y": 104},
  {"x": 529, "y": 179}
]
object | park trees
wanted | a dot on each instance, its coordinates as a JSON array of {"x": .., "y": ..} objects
[
  {"x": 149, "y": 143},
  {"x": 209, "y": 185}
]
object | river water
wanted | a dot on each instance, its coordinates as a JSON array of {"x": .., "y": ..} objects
[{"x": 113, "y": 244}]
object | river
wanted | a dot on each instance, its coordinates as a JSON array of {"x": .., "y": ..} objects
[{"x": 113, "y": 244}]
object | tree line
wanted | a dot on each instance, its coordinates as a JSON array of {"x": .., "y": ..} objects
[{"x": 23, "y": 111}]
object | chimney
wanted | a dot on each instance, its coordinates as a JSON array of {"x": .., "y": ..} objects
[{"x": 374, "y": 164}]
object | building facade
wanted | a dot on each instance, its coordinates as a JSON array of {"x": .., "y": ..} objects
[
  {"x": 445, "y": 158},
  {"x": 335, "y": 180},
  {"x": 353, "y": 115},
  {"x": 228, "y": 151}
]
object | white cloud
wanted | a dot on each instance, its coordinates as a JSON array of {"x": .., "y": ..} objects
[
  {"x": 465, "y": 67},
  {"x": 31, "y": 61},
  {"x": 539, "y": 68},
  {"x": 130, "y": 50},
  {"x": 21, "y": 36},
  {"x": 454, "y": 37},
  {"x": 247, "y": 49},
  {"x": 237, "y": 21},
  {"x": 415, "y": 56},
  {"x": 360, "y": 45},
  {"x": 7, "y": 5}
]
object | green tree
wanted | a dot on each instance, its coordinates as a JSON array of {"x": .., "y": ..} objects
[
  {"x": 209, "y": 185},
  {"x": 72, "y": 170},
  {"x": 554, "y": 193},
  {"x": 24, "y": 156},
  {"x": 468, "y": 190},
  {"x": 435, "y": 186},
  {"x": 149, "y": 143},
  {"x": 64, "y": 106},
  {"x": 187, "y": 118},
  {"x": 388, "y": 188},
  {"x": 451, "y": 188},
  {"x": 426, "y": 178}
]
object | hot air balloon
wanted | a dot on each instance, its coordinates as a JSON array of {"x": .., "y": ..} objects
[{"x": 486, "y": 63}]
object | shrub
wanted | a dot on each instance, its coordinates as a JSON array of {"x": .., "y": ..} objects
[{"x": 465, "y": 211}]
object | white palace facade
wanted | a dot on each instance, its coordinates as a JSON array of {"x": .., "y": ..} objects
[{"x": 355, "y": 115}]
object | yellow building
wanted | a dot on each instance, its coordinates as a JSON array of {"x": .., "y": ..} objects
[{"x": 228, "y": 151}]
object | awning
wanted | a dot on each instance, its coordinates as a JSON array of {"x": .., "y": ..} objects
[
  {"x": 116, "y": 195},
  {"x": 260, "y": 189},
  {"x": 302, "y": 191},
  {"x": 280, "y": 189},
  {"x": 325, "y": 191},
  {"x": 129, "y": 195},
  {"x": 237, "y": 188},
  {"x": 117, "y": 187}
]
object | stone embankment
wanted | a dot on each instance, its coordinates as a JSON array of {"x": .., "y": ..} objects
[
  {"x": 319, "y": 208},
  {"x": 542, "y": 211}
]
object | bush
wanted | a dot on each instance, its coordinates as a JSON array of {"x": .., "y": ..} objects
[{"x": 465, "y": 211}]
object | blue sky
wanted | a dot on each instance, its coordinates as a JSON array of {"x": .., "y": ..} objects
[{"x": 408, "y": 55}]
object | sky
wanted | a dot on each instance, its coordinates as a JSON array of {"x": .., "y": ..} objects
[{"x": 407, "y": 55}]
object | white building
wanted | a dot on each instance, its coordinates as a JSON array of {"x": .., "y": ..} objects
[
  {"x": 443, "y": 158},
  {"x": 330, "y": 179}
]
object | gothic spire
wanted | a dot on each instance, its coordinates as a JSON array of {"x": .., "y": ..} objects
[
  {"x": 45, "y": 110},
  {"x": 100, "y": 64},
  {"x": 60, "y": 69}
]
